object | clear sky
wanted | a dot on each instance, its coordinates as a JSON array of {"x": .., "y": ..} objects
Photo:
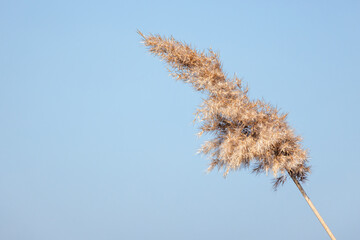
[{"x": 97, "y": 140}]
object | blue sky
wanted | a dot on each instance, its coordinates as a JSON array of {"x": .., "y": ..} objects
[{"x": 97, "y": 141}]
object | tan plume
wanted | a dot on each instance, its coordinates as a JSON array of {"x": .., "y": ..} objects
[{"x": 246, "y": 133}]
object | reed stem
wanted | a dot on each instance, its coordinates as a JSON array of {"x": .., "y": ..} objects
[{"x": 327, "y": 229}]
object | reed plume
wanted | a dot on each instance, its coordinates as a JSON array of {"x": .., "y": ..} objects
[{"x": 246, "y": 133}]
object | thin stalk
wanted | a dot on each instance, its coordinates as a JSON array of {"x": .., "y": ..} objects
[{"x": 327, "y": 229}]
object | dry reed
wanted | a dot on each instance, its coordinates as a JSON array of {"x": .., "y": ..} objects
[{"x": 246, "y": 133}]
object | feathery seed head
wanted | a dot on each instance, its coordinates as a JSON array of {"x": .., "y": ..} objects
[{"x": 245, "y": 132}]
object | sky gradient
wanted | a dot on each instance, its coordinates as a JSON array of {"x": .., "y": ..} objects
[{"x": 97, "y": 140}]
